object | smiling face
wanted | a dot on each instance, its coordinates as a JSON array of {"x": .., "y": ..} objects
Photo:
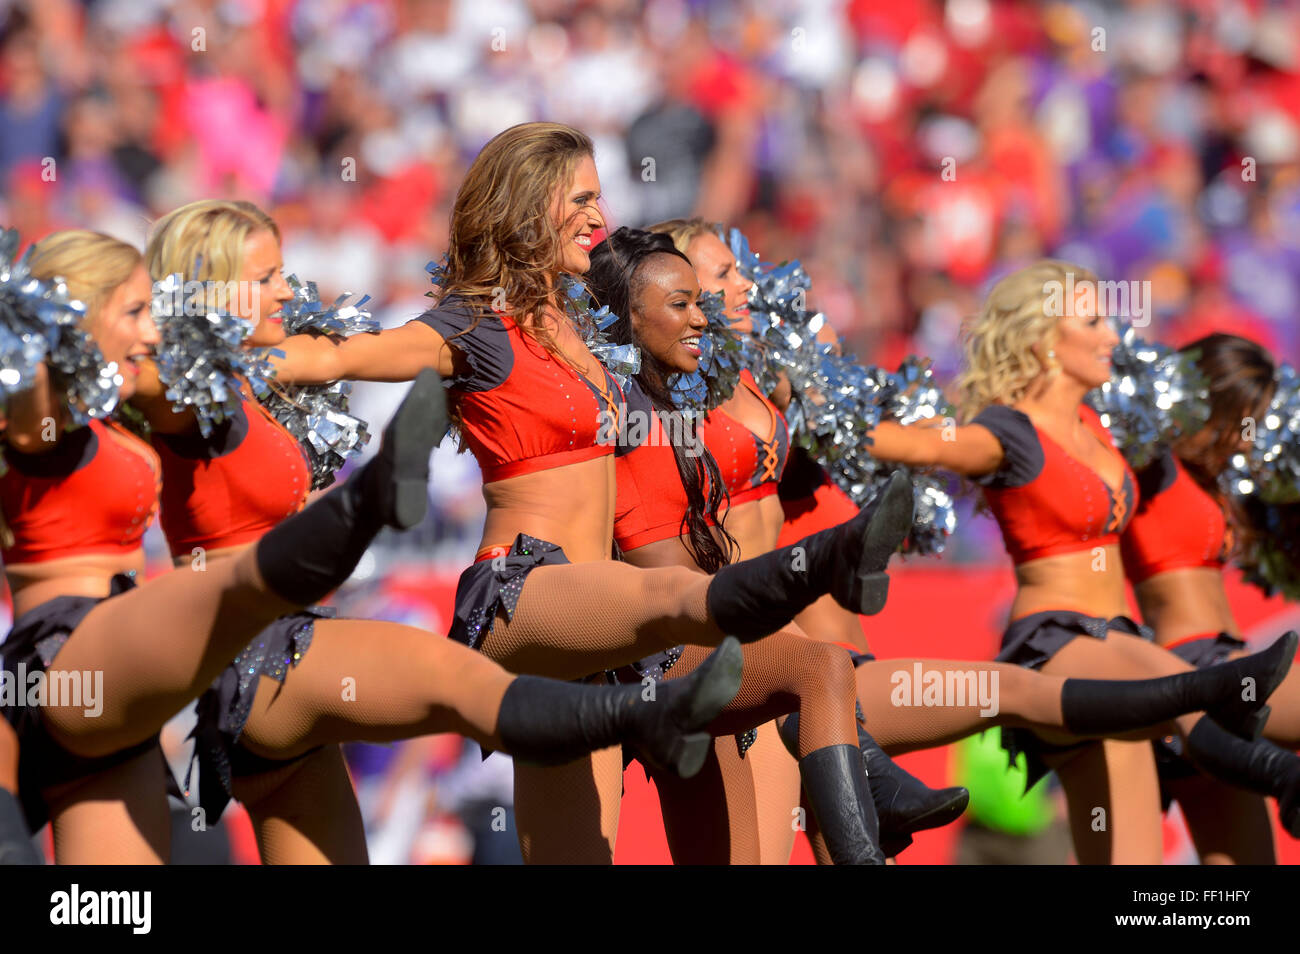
[
  {"x": 262, "y": 270},
  {"x": 715, "y": 267},
  {"x": 666, "y": 316},
  {"x": 124, "y": 328},
  {"x": 576, "y": 216},
  {"x": 1084, "y": 343}
]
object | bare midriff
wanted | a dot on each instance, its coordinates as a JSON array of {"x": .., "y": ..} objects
[
  {"x": 32, "y": 584},
  {"x": 1187, "y": 602},
  {"x": 755, "y": 525},
  {"x": 670, "y": 552},
  {"x": 1086, "y": 581},
  {"x": 571, "y": 506},
  {"x": 191, "y": 560}
]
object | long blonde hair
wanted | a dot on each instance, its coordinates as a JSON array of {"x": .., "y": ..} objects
[
  {"x": 1000, "y": 363},
  {"x": 204, "y": 241},
  {"x": 92, "y": 265},
  {"x": 685, "y": 231}
]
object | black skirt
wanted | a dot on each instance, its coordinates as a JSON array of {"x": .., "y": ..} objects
[
  {"x": 224, "y": 708},
  {"x": 488, "y": 586},
  {"x": 31, "y": 646},
  {"x": 1032, "y": 641}
]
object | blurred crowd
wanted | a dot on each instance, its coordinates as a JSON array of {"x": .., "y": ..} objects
[{"x": 908, "y": 151}]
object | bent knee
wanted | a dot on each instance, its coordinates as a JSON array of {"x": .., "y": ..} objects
[
  {"x": 83, "y": 734},
  {"x": 829, "y": 669}
]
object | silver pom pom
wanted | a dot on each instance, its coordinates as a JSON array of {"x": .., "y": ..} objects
[
  {"x": 1272, "y": 560},
  {"x": 906, "y": 396},
  {"x": 622, "y": 361},
  {"x": 1274, "y": 460},
  {"x": 201, "y": 358},
  {"x": 317, "y": 415},
  {"x": 837, "y": 402},
  {"x": 1154, "y": 396},
  {"x": 40, "y": 321}
]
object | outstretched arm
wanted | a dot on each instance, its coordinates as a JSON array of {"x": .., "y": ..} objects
[
  {"x": 396, "y": 354},
  {"x": 971, "y": 450}
]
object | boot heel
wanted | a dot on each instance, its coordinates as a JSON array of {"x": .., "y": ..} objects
[
  {"x": 895, "y": 845},
  {"x": 871, "y": 593},
  {"x": 417, "y": 428},
  {"x": 887, "y": 528},
  {"x": 1246, "y": 719},
  {"x": 1248, "y": 726}
]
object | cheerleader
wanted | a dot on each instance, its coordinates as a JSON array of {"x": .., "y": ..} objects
[
  {"x": 660, "y": 493},
  {"x": 1175, "y": 550},
  {"x": 273, "y": 740},
  {"x": 1062, "y": 497},
  {"x": 776, "y": 507},
  {"x": 667, "y": 511},
  {"x": 76, "y": 504},
  {"x": 532, "y": 403},
  {"x": 76, "y": 513}
]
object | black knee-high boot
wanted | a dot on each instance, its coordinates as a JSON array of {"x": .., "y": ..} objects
[
  {"x": 16, "y": 846},
  {"x": 313, "y": 552},
  {"x": 836, "y": 785},
  {"x": 904, "y": 804},
  {"x": 1100, "y": 706},
  {"x": 758, "y": 596},
  {"x": 548, "y": 722},
  {"x": 1258, "y": 766}
]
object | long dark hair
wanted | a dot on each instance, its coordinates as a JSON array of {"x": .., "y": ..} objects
[
  {"x": 614, "y": 264},
  {"x": 1240, "y": 374}
]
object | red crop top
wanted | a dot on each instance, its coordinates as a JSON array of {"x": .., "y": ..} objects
[
  {"x": 1046, "y": 502},
  {"x": 751, "y": 466},
  {"x": 1177, "y": 526},
  {"x": 522, "y": 408},
  {"x": 95, "y": 492},
  {"x": 228, "y": 489},
  {"x": 651, "y": 502}
]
